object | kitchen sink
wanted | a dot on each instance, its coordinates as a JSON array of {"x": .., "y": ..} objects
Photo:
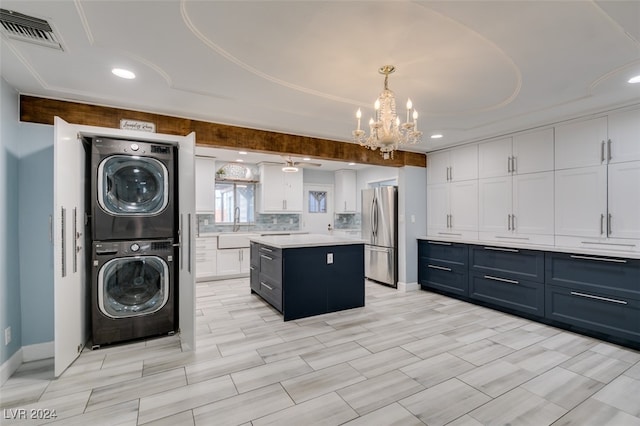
[{"x": 235, "y": 240}]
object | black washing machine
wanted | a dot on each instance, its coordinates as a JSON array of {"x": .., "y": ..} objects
[
  {"x": 133, "y": 292},
  {"x": 132, "y": 189}
]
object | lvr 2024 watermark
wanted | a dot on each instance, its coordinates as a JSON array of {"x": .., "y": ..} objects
[{"x": 28, "y": 414}]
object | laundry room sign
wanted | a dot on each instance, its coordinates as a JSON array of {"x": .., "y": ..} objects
[{"x": 142, "y": 126}]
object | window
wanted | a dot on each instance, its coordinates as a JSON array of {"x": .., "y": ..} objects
[
  {"x": 235, "y": 198},
  {"x": 317, "y": 201}
]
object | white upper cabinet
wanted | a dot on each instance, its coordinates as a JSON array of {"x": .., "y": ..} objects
[
  {"x": 456, "y": 165},
  {"x": 280, "y": 192},
  {"x": 624, "y": 134},
  {"x": 205, "y": 184},
  {"x": 452, "y": 209},
  {"x": 533, "y": 152},
  {"x": 494, "y": 158},
  {"x": 529, "y": 152},
  {"x": 346, "y": 191},
  {"x": 581, "y": 143}
]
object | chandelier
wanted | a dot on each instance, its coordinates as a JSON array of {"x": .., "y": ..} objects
[{"x": 385, "y": 132}]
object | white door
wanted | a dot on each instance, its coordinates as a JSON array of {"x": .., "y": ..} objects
[
  {"x": 533, "y": 152},
  {"x": 494, "y": 204},
  {"x": 581, "y": 201},
  {"x": 187, "y": 224},
  {"x": 463, "y": 202},
  {"x": 494, "y": 158},
  {"x": 438, "y": 168},
  {"x": 533, "y": 203},
  {"x": 581, "y": 144},
  {"x": 71, "y": 328},
  {"x": 437, "y": 208},
  {"x": 624, "y": 133},
  {"x": 624, "y": 200},
  {"x": 318, "y": 212}
]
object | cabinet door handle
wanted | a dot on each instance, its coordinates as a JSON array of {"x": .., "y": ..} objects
[
  {"x": 602, "y": 152},
  {"x": 502, "y": 280},
  {"x": 509, "y": 222},
  {"x": 266, "y": 257},
  {"x": 253, "y": 268},
  {"x": 266, "y": 249},
  {"x": 601, "y": 259},
  {"x": 440, "y": 268},
  {"x": 63, "y": 242},
  {"x": 513, "y": 222},
  {"x": 609, "y": 225},
  {"x": 502, "y": 249},
  {"x": 508, "y": 164},
  {"x": 439, "y": 243},
  {"x": 601, "y": 224},
  {"x": 604, "y": 299},
  {"x": 267, "y": 286},
  {"x": 451, "y": 173},
  {"x": 514, "y": 164},
  {"x": 609, "y": 150}
]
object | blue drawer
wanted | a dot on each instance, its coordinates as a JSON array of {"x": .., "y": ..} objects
[
  {"x": 519, "y": 295},
  {"x": 616, "y": 277},
  {"x": 594, "y": 311},
  {"x": 509, "y": 263},
  {"x": 438, "y": 275},
  {"x": 454, "y": 255}
]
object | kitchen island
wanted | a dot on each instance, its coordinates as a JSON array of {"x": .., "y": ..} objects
[{"x": 306, "y": 275}]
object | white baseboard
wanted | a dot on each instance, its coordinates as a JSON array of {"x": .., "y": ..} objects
[
  {"x": 10, "y": 366},
  {"x": 38, "y": 351},
  {"x": 406, "y": 287}
]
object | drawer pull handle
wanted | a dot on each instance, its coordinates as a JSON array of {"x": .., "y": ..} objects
[
  {"x": 440, "y": 268},
  {"x": 502, "y": 280},
  {"x": 266, "y": 257},
  {"x": 502, "y": 249},
  {"x": 601, "y": 259},
  {"x": 253, "y": 268},
  {"x": 266, "y": 285},
  {"x": 439, "y": 243},
  {"x": 266, "y": 249},
  {"x": 604, "y": 299}
]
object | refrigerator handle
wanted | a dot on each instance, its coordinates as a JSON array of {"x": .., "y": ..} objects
[{"x": 375, "y": 217}]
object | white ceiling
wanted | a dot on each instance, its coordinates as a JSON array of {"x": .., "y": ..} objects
[{"x": 473, "y": 69}]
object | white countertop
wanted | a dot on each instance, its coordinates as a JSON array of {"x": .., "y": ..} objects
[
  {"x": 305, "y": 240},
  {"x": 559, "y": 249},
  {"x": 216, "y": 234}
]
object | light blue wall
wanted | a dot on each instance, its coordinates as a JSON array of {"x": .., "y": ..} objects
[
  {"x": 36, "y": 251},
  {"x": 10, "y": 315},
  {"x": 412, "y": 212}
]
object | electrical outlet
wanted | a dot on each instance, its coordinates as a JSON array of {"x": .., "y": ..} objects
[
  {"x": 206, "y": 221},
  {"x": 275, "y": 221},
  {"x": 329, "y": 258},
  {"x": 7, "y": 335}
]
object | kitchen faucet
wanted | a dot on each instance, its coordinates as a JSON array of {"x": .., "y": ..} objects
[{"x": 236, "y": 219}]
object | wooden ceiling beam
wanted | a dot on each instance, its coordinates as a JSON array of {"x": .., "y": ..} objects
[{"x": 42, "y": 110}]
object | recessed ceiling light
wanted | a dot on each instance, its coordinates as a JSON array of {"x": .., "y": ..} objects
[
  {"x": 239, "y": 160},
  {"x": 242, "y": 152},
  {"x": 307, "y": 159},
  {"x": 436, "y": 136},
  {"x": 122, "y": 73},
  {"x": 352, "y": 164},
  {"x": 635, "y": 79}
]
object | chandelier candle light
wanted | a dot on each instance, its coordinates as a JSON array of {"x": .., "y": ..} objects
[{"x": 385, "y": 132}]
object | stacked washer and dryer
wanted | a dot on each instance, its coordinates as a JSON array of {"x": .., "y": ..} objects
[{"x": 133, "y": 232}]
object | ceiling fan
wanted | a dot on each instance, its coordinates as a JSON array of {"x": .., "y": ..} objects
[{"x": 292, "y": 166}]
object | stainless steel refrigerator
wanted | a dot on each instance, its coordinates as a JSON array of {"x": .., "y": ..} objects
[{"x": 380, "y": 233}]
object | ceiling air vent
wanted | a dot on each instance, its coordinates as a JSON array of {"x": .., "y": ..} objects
[{"x": 27, "y": 28}]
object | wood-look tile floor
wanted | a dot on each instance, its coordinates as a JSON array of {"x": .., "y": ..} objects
[{"x": 404, "y": 359}]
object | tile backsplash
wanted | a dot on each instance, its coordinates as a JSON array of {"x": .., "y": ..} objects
[
  {"x": 346, "y": 221},
  {"x": 264, "y": 222}
]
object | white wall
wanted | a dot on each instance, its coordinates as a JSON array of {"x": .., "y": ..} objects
[{"x": 412, "y": 221}]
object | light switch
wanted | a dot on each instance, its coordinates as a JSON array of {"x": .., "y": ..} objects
[
  {"x": 329, "y": 258},
  {"x": 413, "y": 218}
]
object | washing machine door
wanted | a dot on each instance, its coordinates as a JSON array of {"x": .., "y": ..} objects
[
  {"x": 132, "y": 185},
  {"x": 133, "y": 286}
]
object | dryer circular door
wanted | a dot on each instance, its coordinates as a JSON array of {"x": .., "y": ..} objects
[
  {"x": 132, "y": 185},
  {"x": 133, "y": 286}
]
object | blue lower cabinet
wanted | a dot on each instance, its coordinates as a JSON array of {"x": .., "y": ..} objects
[
  {"x": 435, "y": 275},
  {"x": 591, "y": 311},
  {"x": 517, "y": 264},
  {"x": 522, "y": 296}
]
